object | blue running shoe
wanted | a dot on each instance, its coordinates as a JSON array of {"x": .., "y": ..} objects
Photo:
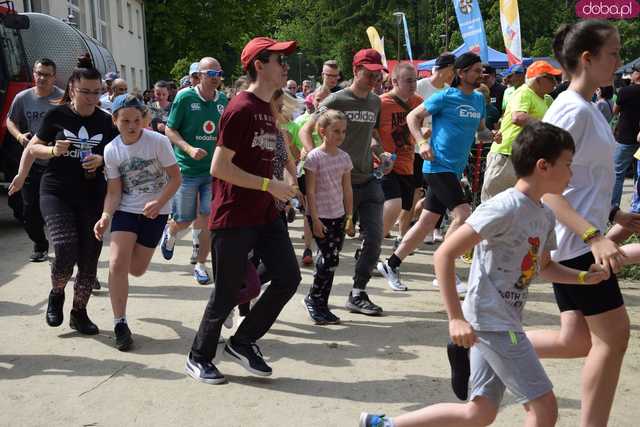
[
  {"x": 167, "y": 252},
  {"x": 373, "y": 420},
  {"x": 201, "y": 276}
]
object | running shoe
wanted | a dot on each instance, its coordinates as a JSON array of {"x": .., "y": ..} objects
[
  {"x": 373, "y": 420},
  {"x": 332, "y": 319},
  {"x": 314, "y": 311},
  {"x": 307, "y": 257},
  {"x": 438, "y": 237},
  {"x": 392, "y": 276},
  {"x": 194, "y": 254},
  {"x": 79, "y": 320},
  {"x": 460, "y": 369},
  {"x": 167, "y": 252},
  {"x": 201, "y": 276},
  {"x": 249, "y": 356},
  {"x": 362, "y": 304},
  {"x": 204, "y": 372},
  {"x": 55, "y": 315},
  {"x": 461, "y": 286},
  {"x": 39, "y": 256},
  {"x": 430, "y": 240},
  {"x": 123, "y": 336}
]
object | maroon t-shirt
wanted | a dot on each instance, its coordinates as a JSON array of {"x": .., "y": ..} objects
[{"x": 247, "y": 128}]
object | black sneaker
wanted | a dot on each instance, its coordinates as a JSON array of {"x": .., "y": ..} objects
[
  {"x": 362, "y": 304},
  {"x": 79, "y": 320},
  {"x": 331, "y": 318},
  {"x": 315, "y": 311},
  {"x": 460, "y": 369},
  {"x": 54, "y": 309},
  {"x": 203, "y": 372},
  {"x": 123, "y": 336},
  {"x": 249, "y": 356},
  {"x": 39, "y": 256}
]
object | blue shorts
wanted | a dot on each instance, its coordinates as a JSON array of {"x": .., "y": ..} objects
[
  {"x": 185, "y": 201},
  {"x": 149, "y": 231}
]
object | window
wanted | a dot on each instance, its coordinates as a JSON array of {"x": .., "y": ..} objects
[
  {"x": 119, "y": 13},
  {"x": 130, "y": 15},
  {"x": 101, "y": 30},
  {"x": 76, "y": 12},
  {"x": 11, "y": 50},
  {"x": 142, "y": 85},
  {"x": 139, "y": 22},
  {"x": 133, "y": 79},
  {"x": 123, "y": 72},
  {"x": 40, "y": 6}
]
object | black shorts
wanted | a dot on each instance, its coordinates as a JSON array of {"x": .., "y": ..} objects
[
  {"x": 444, "y": 191},
  {"x": 590, "y": 300},
  {"x": 149, "y": 231},
  {"x": 396, "y": 186},
  {"x": 418, "y": 177}
]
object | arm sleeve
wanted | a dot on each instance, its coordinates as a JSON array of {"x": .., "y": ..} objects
[
  {"x": 434, "y": 103},
  {"x": 176, "y": 114},
  {"x": 164, "y": 152},
  {"x": 234, "y": 126},
  {"x": 311, "y": 163},
  {"x": 491, "y": 220},
  {"x": 111, "y": 163},
  {"x": 16, "y": 111},
  {"x": 520, "y": 102},
  {"x": 48, "y": 130}
]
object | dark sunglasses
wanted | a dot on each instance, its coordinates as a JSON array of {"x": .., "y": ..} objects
[{"x": 213, "y": 73}]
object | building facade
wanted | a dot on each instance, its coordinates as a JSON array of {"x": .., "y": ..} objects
[{"x": 118, "y": 24}]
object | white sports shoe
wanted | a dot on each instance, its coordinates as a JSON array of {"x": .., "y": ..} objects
[
  {"x": 461, "y": 286},
  {"x": 228, "y": 322},
  {"x": 437, "y": 236},
  {"x": 393, "y": 277}
]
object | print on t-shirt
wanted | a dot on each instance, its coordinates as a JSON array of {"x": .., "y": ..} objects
[
  {"x": 529, "y": 265},
  {"x": 81, "y": 138},
  {"x": 140, "y": 176}
]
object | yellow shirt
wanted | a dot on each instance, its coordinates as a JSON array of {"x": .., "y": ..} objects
[{"x": 525, "y": 100}]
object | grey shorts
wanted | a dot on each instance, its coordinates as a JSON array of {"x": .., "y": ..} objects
[
  {"x": 506, "y": 360},
  {"x": 499, "y": 175}
]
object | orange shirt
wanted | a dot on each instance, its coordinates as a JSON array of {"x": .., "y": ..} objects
[{"x": 395, "y": 133}]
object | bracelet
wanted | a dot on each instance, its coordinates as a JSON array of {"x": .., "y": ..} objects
[
  {"x": 589, "y": 234},
  {"x": 265, "y": 184},
  {"x": 106, "y": 215},
  {"x": 612, "y": 214},
  {"x": 581, "y": 276},
  {"x": 423, "y": 142},
  {"x": 53, "y": 153}
]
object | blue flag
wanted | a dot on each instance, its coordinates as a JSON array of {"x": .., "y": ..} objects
[
  {"x": 407, "y": 40},
  {"x": 472, "y": 27}
]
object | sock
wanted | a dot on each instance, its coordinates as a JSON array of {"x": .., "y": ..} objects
[
  {"x": 200, "y": 266},
  {"x": 117, "y": 320},
  {"x": 393, "y": 261},
  {"x": 356, "y": 292},
  {"x": 195, "y": 236}
]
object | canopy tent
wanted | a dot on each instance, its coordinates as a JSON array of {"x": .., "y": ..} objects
[
  {"x": 497, "y": 59},
  {"x": 626, "y": 68}
]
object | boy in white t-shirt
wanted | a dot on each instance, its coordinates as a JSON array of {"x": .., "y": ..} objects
[
  {"x": 142, "y": 178},
  {"x": 513, "y": 234}
]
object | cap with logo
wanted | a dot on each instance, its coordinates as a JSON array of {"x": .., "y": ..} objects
[
  {"x": 258, "y": 44},
  {"x": 126, "y": 101},
  {"x": 369, "y": 59},
  {"x": 540, "y": 68}
]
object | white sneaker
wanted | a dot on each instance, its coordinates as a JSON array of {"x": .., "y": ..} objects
[
  {"x": 429, "y": 240},
  {"x": 393, "y": 277},
  {"x": 228, "y": 322},
  {"x": 437, "y": 236},
  {"x": 461, "y": 286}
]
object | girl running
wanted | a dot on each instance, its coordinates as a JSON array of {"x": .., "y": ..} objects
[
  {"x": 137, "y": 165},
  {"x": 330, "y": 208}
]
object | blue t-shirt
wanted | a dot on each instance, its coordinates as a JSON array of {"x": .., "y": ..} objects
[{"x": 455, "y": 118}]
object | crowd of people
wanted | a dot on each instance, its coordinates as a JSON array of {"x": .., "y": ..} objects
[{"x": 355, "y": 159}]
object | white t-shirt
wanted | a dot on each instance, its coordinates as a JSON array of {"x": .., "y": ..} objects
[
  {"x": 591, "y": 187},
  {"x": 425, "y": 89},
  {"x": 142, "y": 168}
]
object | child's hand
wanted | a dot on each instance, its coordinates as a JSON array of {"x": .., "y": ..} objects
[
  {"x": 101, "y": 226},
  {"x": 318, "y": 228},
  {"x": 595, "y": 275},
  {"x": 461, "y": 333},
  {"x": 151, "y": 209}
]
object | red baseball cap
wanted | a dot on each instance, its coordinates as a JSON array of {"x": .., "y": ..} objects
[
  {"x": 258, "y": 44},
  {"x": 369, "y": 59},
  {"x": 540, "y": 68}
]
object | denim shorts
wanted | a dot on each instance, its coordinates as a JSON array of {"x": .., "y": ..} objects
[
  {"x": 149, "y": 231},
  {"x": 185, "y": 201}
]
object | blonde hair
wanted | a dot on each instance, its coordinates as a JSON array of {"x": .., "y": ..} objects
[{"x": 328, "y": 117}]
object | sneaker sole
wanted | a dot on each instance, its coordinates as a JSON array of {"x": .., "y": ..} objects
[
  {"x": 125, "y": 346},
  {"x": 38, "y": 259},
  {"x": 363, "y": 419},
  {"x": 355, "y": 309},
  {"x": 383, "y": 273},
  {"x": 238, "y": 358},
  {"x": 73, "y": 326},
  {"x": 197, "y": 377}
]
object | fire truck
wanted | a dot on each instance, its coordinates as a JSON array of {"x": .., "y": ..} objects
[{"x": 24, "y": 38}]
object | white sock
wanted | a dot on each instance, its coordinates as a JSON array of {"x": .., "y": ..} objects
[
  {"x": 356, "y": 292},
  {"x": 195, "y": 236},
  {"x": 117, "y": 320}
]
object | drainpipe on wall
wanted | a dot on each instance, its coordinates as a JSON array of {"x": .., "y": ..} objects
[{"x": 144, "y": 39}]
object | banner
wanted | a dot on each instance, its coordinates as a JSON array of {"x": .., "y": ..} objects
[
  {"x": 510, "y": 23},
  {"x": 377, "y": 43},
  {"x": 472, "y": 27},
  {"x": 407, "y": 40}
]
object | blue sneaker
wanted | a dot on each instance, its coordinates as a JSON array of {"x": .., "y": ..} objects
[
  {"x": 201, "y": 276},
  {"x": 373, "y": 420},
  {"x": 167, "y": 252},
  {"x": 203, "y": 372}
]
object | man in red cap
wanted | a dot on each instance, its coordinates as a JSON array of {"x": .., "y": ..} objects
[
  {"x": 362, "y": 107},
  {"x": 526, "y": 105},
  {"x": 244, "y": 217}
]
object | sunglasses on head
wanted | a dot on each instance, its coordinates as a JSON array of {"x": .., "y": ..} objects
[{"x": 213, "y": 73}]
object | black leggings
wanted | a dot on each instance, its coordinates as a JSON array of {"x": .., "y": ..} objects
[
  {"x": 327, "y": 262},
  {"x": 70, "y": 224}
]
